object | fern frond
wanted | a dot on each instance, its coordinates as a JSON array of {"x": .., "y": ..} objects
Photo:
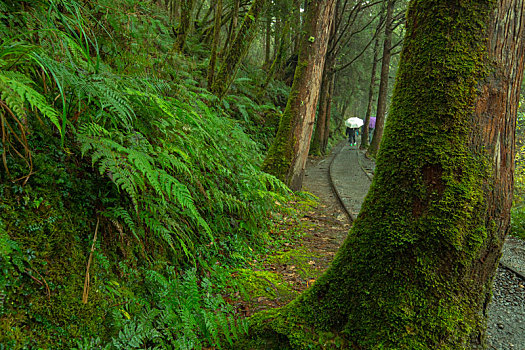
[{"x": 15, "y": 90}]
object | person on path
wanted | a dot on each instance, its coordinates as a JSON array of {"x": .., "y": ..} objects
[
  {"x": 350, "y": 132},
  {"x": 371, "y": 128}
]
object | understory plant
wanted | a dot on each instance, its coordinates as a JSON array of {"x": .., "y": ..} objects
[{"x": 122, "y": 181}]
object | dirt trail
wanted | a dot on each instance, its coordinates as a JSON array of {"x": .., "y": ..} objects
[
  {"x": 303, "y": 261},
  {"x": 327, "y": 225}
]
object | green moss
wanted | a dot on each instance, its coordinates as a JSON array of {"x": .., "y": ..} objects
[
  {"x": 303, "y": 260},
  {"x": 264, "y": 284},
  {"x": 45, "y": 239}
]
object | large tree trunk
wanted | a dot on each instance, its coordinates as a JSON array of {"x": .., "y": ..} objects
[
  {"x": 322, "y": 124},
  {"x": 416, "y": 269},
  {"x": 287, "y": 156},
  {"x": 237, "y": 50},
  {"x": 383, "y": 84}
]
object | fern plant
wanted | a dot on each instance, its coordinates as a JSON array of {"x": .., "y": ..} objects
[{"x": 189, "y": 314}]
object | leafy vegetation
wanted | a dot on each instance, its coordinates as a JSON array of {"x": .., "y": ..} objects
[
  {"x": 109, "y": 142},
  {"x": 518, "y": 210}
]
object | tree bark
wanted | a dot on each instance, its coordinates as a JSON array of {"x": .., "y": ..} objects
[
  {"x": 324, "y": 101},
  {"x": 237, "y": 50},
  {"x": 416, "y": 269},
  {"x": 326, "y": 135},
  {"x": 185, "y": 23},
  {"x": 287, "y": 156},
  {"x": 322, "y": 124},
  {"x": 215, "y": 44},
  {"x": 383, "y": 84},
  {"x": 233, "y": 24}
]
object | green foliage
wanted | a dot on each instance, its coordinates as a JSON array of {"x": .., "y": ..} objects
[
  {"x": 517, "y": 223},
  {"x": 105, "y": 123},
  {"x": 186, "y": 313},
  {"x": 518, "y": 211}
]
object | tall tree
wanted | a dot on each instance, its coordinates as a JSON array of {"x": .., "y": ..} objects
[
  {"x": 383, "y": 83},
  {"x": 237, "y": 50},
  {"x": 217, "y": 4},
  {"x": 322, "y": 123},
  {"x": 185, "y": 24},
  {"x": 287, "y": 156},
  {"x": 416, "y": 269},
  {"x": 323, "y": 114},
  {"x": 233, "y": 24},
  {"x": 368, "y": 114}
]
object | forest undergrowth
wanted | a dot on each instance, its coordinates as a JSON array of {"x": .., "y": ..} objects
[{"x": 129, "y": 194}]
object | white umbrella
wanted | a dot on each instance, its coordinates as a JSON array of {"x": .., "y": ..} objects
[{"x": 354, "y": 122}]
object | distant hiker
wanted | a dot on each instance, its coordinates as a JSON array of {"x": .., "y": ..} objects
[
  {"x": 371, "y": 128},
  {"x": 350, "y": 132}
]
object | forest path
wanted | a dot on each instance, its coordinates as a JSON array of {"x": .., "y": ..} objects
[
  {"x": 299, "y": 263},
  {"x": 341, "y": 181}
]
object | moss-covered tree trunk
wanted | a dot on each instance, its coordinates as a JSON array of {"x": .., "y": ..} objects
[
  {"x": 416, "y": 269},
  {"x": 287, "y": 156},
  {"x": 237, "y": 50},
  {"x": 185, "y": 23},
  {"x": 217, "y": 4}
]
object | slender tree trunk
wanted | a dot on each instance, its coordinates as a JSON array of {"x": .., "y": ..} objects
[
  {"x": 287, "y": 156},
  {"x": 268, "y": 39},
  {"x": 326, "y": 135},
  {"x": 416, "y": 269},
  {"x": 233, "y": 24},
  {"x": 277, "y": 61},
  {"x": 322, "y": 113},
  {"x": 383, "y": 84},
  {"x": 366, "y": 130},
  {"x": 340, "y": 122},
  {"x": 237, "y": 50},
  {"x": 185, "y": 24},
  {"x": 216, "y": 38},
  {"x": 277, "y": 34}
]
